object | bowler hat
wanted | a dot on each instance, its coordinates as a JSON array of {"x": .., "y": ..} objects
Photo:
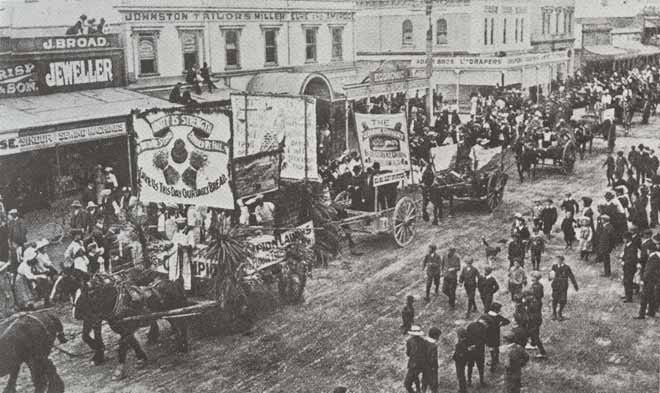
[
  {"x": 76, "y": 203},
  {"x": 415, "y": 331}
]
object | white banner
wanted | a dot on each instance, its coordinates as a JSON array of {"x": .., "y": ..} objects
[
  {"x": 384, "y": 139},
  {"x": 269, "y": 120},
  {"x": 183, "y": 157},
  {"x": 578, "y": 113}
]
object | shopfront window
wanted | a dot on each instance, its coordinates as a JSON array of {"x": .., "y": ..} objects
[
  {"x": 270, "y": 40},
  {"x": 232, "y": 51},
  {"x": 522, "y": 29},
  {"x": 570, "y": 21},
  {"x": 337, "y": 43},
  {"x": 441, "y": 32},
  {"x": 310, "y": 45},
  {"x": 147, "y": 54},
  {"x": 516, "y": 32},
  {"x": 492, "y": 30},
  {"x": 485, "y": 31},
  {"x": 407, "y": 32},
  {"x": 190, "y": 46},
  {"x": 557, "y": 21}
]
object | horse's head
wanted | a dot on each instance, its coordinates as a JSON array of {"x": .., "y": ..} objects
[
  {"x": 53, "y": 325},
  {"x": 68, "y": 282}
]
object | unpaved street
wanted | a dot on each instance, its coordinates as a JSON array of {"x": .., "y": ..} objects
[{"x": 347, "y": 331}]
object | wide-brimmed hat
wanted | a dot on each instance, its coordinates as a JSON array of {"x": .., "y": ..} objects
[
  {"x": 108, "y": 169},
  {"x": 76, "y": 203},
  {"x": 180, "y": 220},
  {"x": 41, "y": 244},
  {"x": 91, "y": 204},
  {"x": 605, "y": 217},
  {"x": 587, "y": 200},
  {"x": 29, "y": 254},
  {"x": 415, "y": 331},
  {"x": 13, "y": 212},
  {"x": 656, "y": 238}
]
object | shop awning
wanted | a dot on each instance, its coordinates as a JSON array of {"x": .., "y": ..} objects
[
  {"x": 651, "y": 22},
  {"x": 605, "y": 50},
  {"x": 38, "y": 111},
  {"x": 293, "y": 83},
  {"x": 644, "y": 50}
]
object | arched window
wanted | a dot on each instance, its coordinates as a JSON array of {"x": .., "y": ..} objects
[
  {"x": 147, "y": 54},
  {"x": 441, "y": 32},
  {"x": 407, "y": 32}
]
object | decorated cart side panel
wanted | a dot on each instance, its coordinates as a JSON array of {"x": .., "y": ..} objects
[
  {"x": 384, "y": 139},
  {"x": 264, "y": 251},
  {"x": 183, "y": 157},
  {"x": 267, "y": 122}
]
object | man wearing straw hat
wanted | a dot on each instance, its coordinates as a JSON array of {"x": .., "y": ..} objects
[{"x": 416, "y": 350}]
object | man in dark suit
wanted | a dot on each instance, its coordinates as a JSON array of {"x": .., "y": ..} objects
[
  {"x": 487, "y": 286},
  {"x": 451, "y": 263},
  {"x": 629, "y": 260},
  {"x": 560, "y": 275},
  {"x": 416, "y": 350},
  {"x": 430, "y": 374},
  {"x": 651, "y": 279},
  {"x": 469, "y": 278},
  {"x": 605, "y": 241},
  {"x": 494, "y": 321}
]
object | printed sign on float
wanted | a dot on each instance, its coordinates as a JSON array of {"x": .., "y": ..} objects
[
  {"x": 262, "y": 122},
  {"x": 264, "y": 251},
  {"x": 182, "y": 158},
  {"x": 383, "y": 139}
]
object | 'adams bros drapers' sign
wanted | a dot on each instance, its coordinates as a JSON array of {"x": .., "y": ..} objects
[{"x": 47, "y": 65}]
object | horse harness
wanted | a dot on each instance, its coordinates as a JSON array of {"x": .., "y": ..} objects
[{"x": 28, "y": 315}]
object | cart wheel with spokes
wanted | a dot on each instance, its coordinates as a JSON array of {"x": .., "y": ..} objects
[
  {"x": 403, "y": 221},
  {"x": 495, "y": 191}
]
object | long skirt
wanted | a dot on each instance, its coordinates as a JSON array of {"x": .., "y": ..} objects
[
  {"x": 23, "y": 293},
  {"x": 180, "y": 267}
]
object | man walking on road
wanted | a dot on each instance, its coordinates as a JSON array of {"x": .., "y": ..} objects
[
  {"x": 469, "y": 278},
  {"x": 432, "y": 264},
  {"x": 629, "y": 262},
  {"x": 451, "y": 263},
  {"x": 560, "y": 274},
  {"x": 417, "y": 354},
  {"x": 430, "y": 375}
]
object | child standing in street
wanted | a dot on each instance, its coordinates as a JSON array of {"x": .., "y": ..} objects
[
  {"x": 536, "y": 248},
  {"x": 517, "y": 279},
  {"x": 568, "y": 229},
  {"x": 585, "y": 238}
]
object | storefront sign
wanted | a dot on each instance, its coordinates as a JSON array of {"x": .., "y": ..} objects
[
  {"x": 388, "y": 76},
  {"x": 65, "y": 43},
  {"x": 183, "y": 158},
  {"x": 17, "y": 79},
  {"x": 233, "y": 16},
  {"x": 79, "y": 72},
  {"x": 264, "y": 251},
  {"x": 384, "y": 139},
  {"x": 60, "y": 72},
  {"x": 263, "y": 122},
  {"x": 478, "y": 62},
  {"x": 15, "y": 143}
]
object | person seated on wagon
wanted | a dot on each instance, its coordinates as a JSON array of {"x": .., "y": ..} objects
[
  {"x": 74, "y": 255},
  {"x": 44, "y": 263},
  {"x": 357, "y": 188}
]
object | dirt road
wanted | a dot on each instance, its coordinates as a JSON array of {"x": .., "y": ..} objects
[{"x": 347, "y": 332}]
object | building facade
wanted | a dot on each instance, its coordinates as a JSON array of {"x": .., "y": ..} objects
[
  {"x": 236, "y": 39},
  {"x": 475, "y": 44}
]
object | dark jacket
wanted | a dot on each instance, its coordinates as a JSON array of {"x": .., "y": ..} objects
[
  {"x": 651, "y": 274},
  {"x": 432, "y": 264},
  {"x": 606, "y": 239},
  {"x": 493, "y": 323},
  {"x": 80, "y": 220},
  {"x": 629, "y": 257},
  {"x": 487, "y": 285},
  {"x": 17, "y": 232},
  {"x": 416, "y": 352},
  {"x": 548, "y": 216},
  {"x": 469, "y": 277}
]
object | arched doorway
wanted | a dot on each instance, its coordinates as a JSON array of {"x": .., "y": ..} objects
[{"x": 318, "y": 86}]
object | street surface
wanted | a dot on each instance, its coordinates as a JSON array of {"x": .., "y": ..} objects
[{"x": 347, "y": 331}]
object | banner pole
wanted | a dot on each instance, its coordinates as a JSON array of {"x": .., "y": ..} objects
[
  {"x": 305, "y": 138},
  {"x": 130, "y": 155},
  {"x": 246, "y": 124}
]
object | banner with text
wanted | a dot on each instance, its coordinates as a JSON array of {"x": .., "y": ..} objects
[
  {"x": 383, "y": 139},
  {"x": 182, "y": 158},
  {"x": 262, "y": 122}
]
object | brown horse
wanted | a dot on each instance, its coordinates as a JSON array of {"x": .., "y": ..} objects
[
  {"x": 108, "y": 301},
  {"x": 28, "y": 338}
]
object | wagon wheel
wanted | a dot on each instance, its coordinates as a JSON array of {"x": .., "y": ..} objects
[
  {"x": 403, "y": 221},
  {"x": 568, "y": 157},
  {"x": 495, "y": 190}
]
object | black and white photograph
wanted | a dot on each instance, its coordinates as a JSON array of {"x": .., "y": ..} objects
[{"x": 329, "y": 196}]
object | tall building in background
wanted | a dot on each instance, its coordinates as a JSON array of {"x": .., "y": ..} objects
[{"x": 476, "y": 44}]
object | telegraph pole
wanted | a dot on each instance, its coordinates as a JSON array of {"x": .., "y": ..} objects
[{"x": 429, "y": 60}]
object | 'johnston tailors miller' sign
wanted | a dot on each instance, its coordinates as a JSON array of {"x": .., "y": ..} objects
[{"x": 46, "y": 65}]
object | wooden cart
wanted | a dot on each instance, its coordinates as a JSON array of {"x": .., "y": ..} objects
[{"x": 399, "y": 219}]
